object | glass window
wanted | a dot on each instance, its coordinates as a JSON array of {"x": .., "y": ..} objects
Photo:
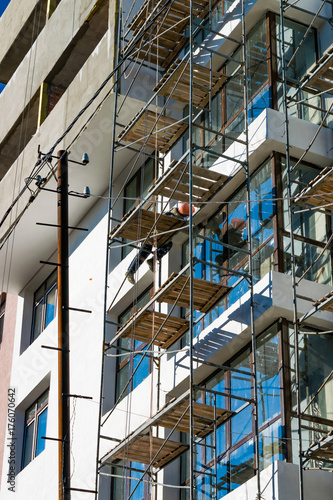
[
  {"x": 259, "y": 93},
  {"x": 268, "y": 381},
  {"x": 305, "y": 256},
  {"x": 312, "y": 432},
  {"x": 44, "y": 309},
  {"x": 315, "y": 364},
  {"x": 35, "y": 429},
  {"x": 306, "y": 55},
  {"x": 135, "y": 190},
  {"x": 310, "y": 224},
  {"x": 305, "y": 109},
  {"x": 271, "y": 444},
  {"x": 241, "y": 385},
  {"x": 2, "y": 313},
  {"x": 129, "y": 474},
  {"x": 127, "y": 364},
  {"x": 234, "y": 451},
  {"x": 309, "y": 227},
  {"x": 241, "y": 464}
]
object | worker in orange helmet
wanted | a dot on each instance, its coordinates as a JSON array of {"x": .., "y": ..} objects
[{"x": 181, "y": 211}]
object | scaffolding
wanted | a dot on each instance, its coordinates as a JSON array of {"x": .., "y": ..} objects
[
  {"x": 169, "y": 38},
  {"x": 318, "y": 193}
]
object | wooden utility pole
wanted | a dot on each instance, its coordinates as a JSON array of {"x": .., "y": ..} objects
[{"x": 63, "y": 329}]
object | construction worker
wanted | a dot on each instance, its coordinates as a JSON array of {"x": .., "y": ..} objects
[
  {"x": 181, "y": 211},
  {"x": 235, "y": 237}
]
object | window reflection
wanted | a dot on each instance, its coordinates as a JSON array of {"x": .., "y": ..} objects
[
  {"x": 234, "y": 454},
  {"x": 268, "y": 376},
  {"x": 241, "y": 464},
  {"x": 315, "y": 362},
  {"x": 271, "y": 444},
  {"x": 305, "y": 256},
  {"x": 126, "y": 365}
]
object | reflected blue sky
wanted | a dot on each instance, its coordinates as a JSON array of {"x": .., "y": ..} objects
[{"x": 3, "y": 5}]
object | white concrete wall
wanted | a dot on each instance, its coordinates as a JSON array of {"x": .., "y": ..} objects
[
  {"x": 280, "y": 481},
  {"x": 12, "y": 21},
  {"x": 35, "y": 368}
]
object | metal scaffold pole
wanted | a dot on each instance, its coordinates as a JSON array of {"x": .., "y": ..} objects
[
  {"x": 249, "y": 237},
  {"x": 109, "y": 208},
  {"x": 191, "y": 249},
  {"x": 292, "y": 251}
]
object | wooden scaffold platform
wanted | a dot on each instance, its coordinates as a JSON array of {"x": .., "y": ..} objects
[
  {"x": 176, "y": 83},
  {"x": 141, "y": 446},
  {"x": 153, "y": 130},
  {"x": 164, "y": 38},
  {"x": 319, "y": 192}
]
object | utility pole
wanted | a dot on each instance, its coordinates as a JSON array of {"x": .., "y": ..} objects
[{"x": 63, "y": 329}]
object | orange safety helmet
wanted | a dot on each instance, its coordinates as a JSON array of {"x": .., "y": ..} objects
[{"x": 184, "y": 208}]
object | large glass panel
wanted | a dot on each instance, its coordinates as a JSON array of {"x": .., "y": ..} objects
[
  {"x": 41, "y": 432},
  {"x": 264, "y": 261},
  {"x": 305, "y": 256},
  {"x": 121, "y": 380},
  {"x": 262, "y": 206},
  {"x": 50, "y": 305},
  {"x": 241, "y": 464},
  {"x": 259, "y": 94},
  {"x": 147, "y": 177},
  {"x": 37, "y": 319},
  {"x": 126, "y": 479},
  {"x": 130, "y": 194},
  {"x": 257, "y": 58},
  {"x": 306, "y": 110},
  {"x": 217, "y": 383},
  {"x": 237, "y": 231},
  {"x": 315, "y": 364},
  {"x": 268, "y": 382},
  {"x": 241, "y": 424},
  {"x": 143, "y": 370},
  {"x": 222, "y": 478},
  {"x": 312, "y": 432},
  {"x": 305, "y": 56},
  {"x": 310, "y": 224},
  {"x": 212, "y": 122},
  {"x": 28, "y": 444},
  {"x": 271, "y": 444}
]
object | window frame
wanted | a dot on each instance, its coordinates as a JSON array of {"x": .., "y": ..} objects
[
  {"x": 32, "y": 421},
  {"x": 129, "y": 360},
  {"x": 229, "y": 447},
  {"x": 283, "y": 233},
  {"x": 138, "y": 177},
  {"x": 2, "y": 314},
  {"x": 40, "y": 298}
]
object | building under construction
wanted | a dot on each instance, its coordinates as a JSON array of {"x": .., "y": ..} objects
[{"x": 166, "y": 192}]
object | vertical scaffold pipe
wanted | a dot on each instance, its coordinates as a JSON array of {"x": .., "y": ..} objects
[
  {"x": 109, "y": 207},
  {"x": 249, "y": 237},
  {"x": 292, "y": 249},
  {"x": 192, "y": 445}
]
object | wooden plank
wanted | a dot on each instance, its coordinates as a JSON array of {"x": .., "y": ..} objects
[
  {"x": 176, "y": 82},
  {"x": 205, "y": 293},
  {"x": 143, "y": 448},
  {"x": 203, "y": 421},
  {"x": 140, "y": 223},
  {"x": 148, "y": 122},
  {"x": 322, "y": 185},
  {"x": 144, "y": 325}
]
